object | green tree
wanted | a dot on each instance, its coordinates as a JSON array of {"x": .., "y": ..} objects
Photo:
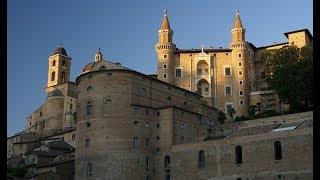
[
  {"x": 252, "y": 111},
  {"x": 221, "y": 117},
  {"x": 289, "y": 71}
]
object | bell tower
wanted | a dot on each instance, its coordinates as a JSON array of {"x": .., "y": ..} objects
[
  {"x": 165, "y": 51},
  {"x": 59, "y": 64}
]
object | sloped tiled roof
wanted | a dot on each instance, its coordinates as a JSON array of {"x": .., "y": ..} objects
[
  {"x": 254, "y": 130},
  {"x": 59, "y": 145}
]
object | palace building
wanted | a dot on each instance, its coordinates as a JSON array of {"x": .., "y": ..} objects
[{"x": 116, "y": 123}]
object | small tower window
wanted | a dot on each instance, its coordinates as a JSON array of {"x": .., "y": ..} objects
[
  {"x": 89, "y": 108},
  {"x": 164, "y": 76},
  {"x": 63, "y": 76},
  {"x": 53, "y": 74},
  {"x": 71, "y": 106},
  {"x": 201, "y": 159},
  {"x": 164, "y": 66},
  {"x": 240, "y": 64},
  {"x": 240, "y": 73},
  {"x": 53, "y": 63},
  {"x": 239, "y": 55},
  {"x": 165, "y": 56},
  {"x": 241, "y": 102},
  {"x": 63, "y": 63},
  {"x": 240, "y": 82}
]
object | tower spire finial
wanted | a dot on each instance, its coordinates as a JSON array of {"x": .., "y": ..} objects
[
  {"x": 165, "y": 12},
  {"x": 202, "y": 46},
  {"x": 60, "y": 44},
  {"x": 237, "y": 12}
]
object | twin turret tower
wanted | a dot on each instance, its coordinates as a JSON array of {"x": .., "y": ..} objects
[{"x": 219, "y": 75}]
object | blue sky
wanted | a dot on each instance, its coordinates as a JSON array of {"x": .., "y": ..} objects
[{"x": 126, "y": 31}]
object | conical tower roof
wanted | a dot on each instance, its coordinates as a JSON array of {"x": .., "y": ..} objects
[
  {"x": 237, "y": 21},
  {"x": 165, "y": 21}
]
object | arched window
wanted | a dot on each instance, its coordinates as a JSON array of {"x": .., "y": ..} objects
[
  {"x": 63, "y": 76},
  {"x": 167, "y": 167},
  {"x": 277, "y": 150},
  {"x": 89, "y": 88},
  {"x": 238, "y": 154},
  {"x": 201, "y": 159},
  {"x": 203, "y": 87},
  {"x": 89, "y": 169},
  {"x": 89, "y": 108},
  {"x": 53, "y": 63},
  {"x": 202, "y": 68},
  {"x": 102, "y": 68},
  {"x": 108, "y": 106},
  {"x": 63, "y": 62},
  {"x": 53, "y": 74}
]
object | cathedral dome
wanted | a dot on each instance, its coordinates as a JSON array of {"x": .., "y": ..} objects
[{"x": 60, "y": 50}]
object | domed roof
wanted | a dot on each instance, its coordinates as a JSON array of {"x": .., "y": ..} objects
[
  {"x": 55, "y": 93},
  {"x": 60, "y": 50},
  {"x": 102, "y": 65}
]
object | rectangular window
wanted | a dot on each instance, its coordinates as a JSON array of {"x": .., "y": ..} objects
[
  {"x": 165, "y": 56},
  {"x": 147, "y": 141},
  {"x": 135, "y": 142},
  {"x": 164, "y": 66},
  {"x": 158, "y": 138},
  {"x": 240, "y": 82},
  {"x": 164, "y": 76},
  {"x": 240, "y": 64},
  {"x": 135, "y": 123},
  {"x": 147, "y": 111},
  {"x": 88, "y": 124},
  {"x": 87, "y": 143},
  {"x": 227, "y": 71},
  {"x": 229, "y": 106},
  {"x": 240, "y": 73},
  {"x": 158, "y": 113},
  {"x": 240, "y": 93},
  {"x": 241, "y": 102},
  {"x": 178, "y": 72},
  {"x": 239, "y": 55},
  {"x": 228, "y": 90}
]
